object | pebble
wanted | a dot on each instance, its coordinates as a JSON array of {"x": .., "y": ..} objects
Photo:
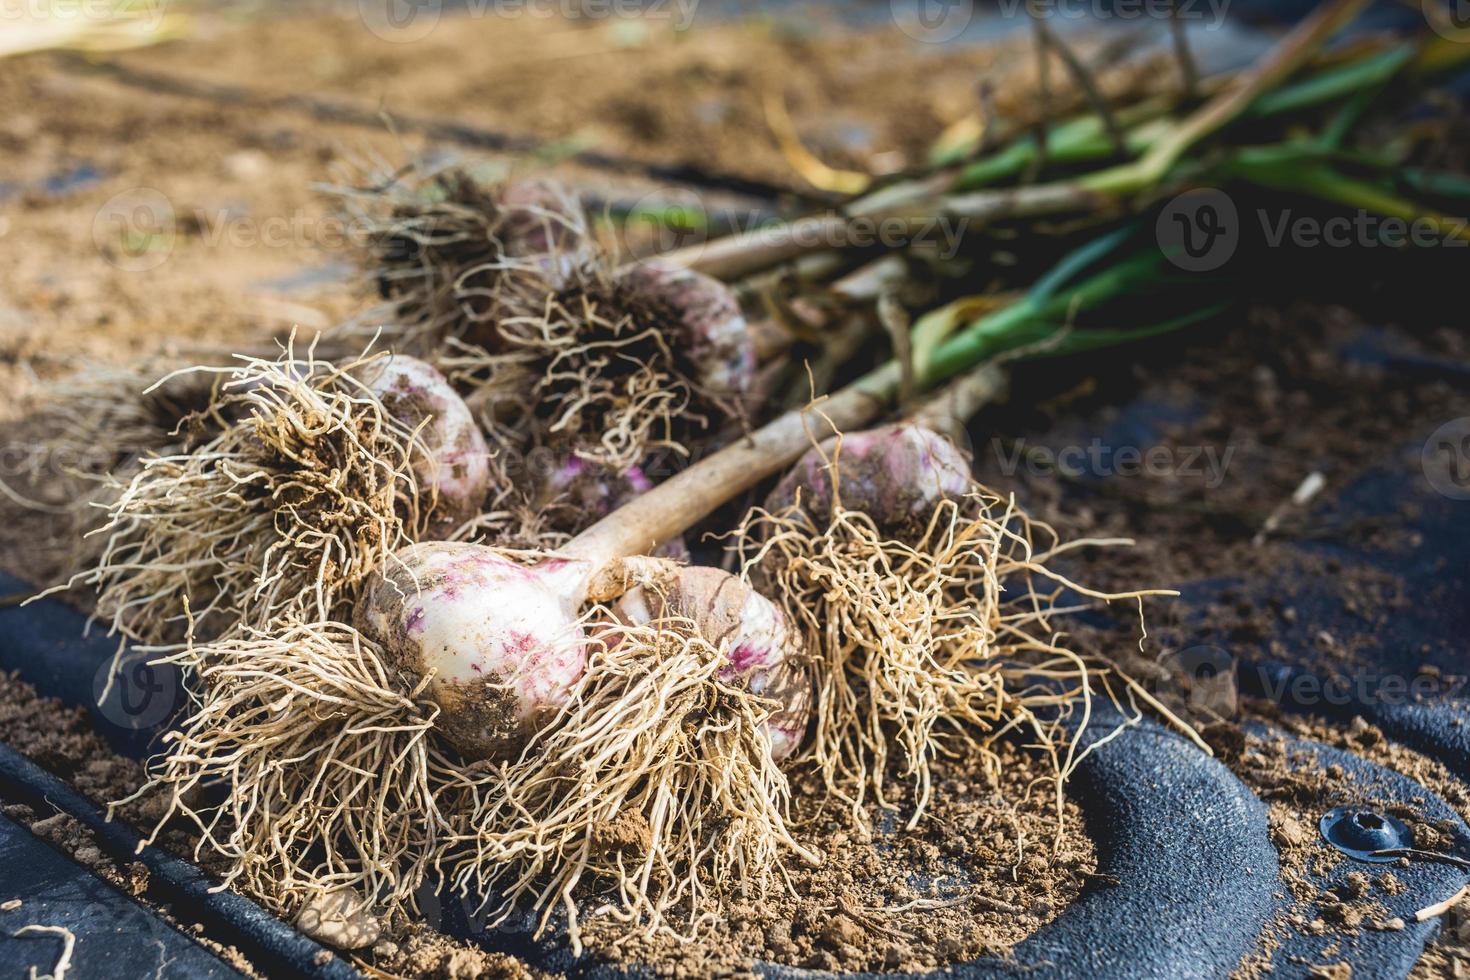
[
  {"x": 1289, "y": 832},
  {"x": 821, "y": 960},
  {"x": 247, "y": 165},
  {"x": 894, "y": 956},
  {"x": 339, "y": 918},
  {"x": 842, "y": 930}
]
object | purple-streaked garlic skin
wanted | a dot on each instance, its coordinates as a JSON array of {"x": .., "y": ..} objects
[
  {"x": 588, "y": 488},
  {"x": 544, "y": 224},
  {"x": 592, "y": 492},
  {"x": 457, "y": 470},
  {"x": 716, "y": 339},
  {"x": 763, "y": 650},
  {"x": 896, "y": 474},
  {"x": 502, "y": 640}
]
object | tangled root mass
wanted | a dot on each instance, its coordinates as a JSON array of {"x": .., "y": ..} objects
[
  {"x": 308, "y": 485},
  {"x": 655, "y": 792},
  {"x": 304, "y": 766},
  {"x": 923, "y": 645}
]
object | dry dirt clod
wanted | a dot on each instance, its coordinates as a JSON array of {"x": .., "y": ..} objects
[
  {"x": 842, "y": 931},
  {"x": 339, "y": 918}
]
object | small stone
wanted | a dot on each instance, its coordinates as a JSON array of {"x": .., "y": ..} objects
[
  {"x": 894, "y": 956},
  {"x": 821, "y": 960},
  {"x": 1287, "y": 832},
  {"x": 50, "y": 828},
  {"x": 948, "y": 948},
  {"x": 1391, "y": 884},
  {"x": 247, "y": 165},
  {"x": 138, "y": 878},
  {"x": 842, "y": 931},
  {"x": 339, "y": 918},
  {"x": 385, "y": 950},
  {"x": 778, "y": 938}
]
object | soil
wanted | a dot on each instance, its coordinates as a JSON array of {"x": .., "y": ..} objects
[
  {"x": 1279, "y": 405},
  {"x": 168, "y": 201},
  {"x": 1284, "y": 408},
  {"x": 990, "y": 863},
  {"x": 62, "y": 738},
  {"x": 1299, "y": 789}
]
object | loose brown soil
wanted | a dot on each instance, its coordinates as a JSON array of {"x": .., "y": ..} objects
[
  {"x": 988, "y": 865},
  {"x": 1280, "y": 407},
  {"x": 62, "y": 738},
  {"x": 1298, "y": 789},
  {"x": 1285, "y": 408}
]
